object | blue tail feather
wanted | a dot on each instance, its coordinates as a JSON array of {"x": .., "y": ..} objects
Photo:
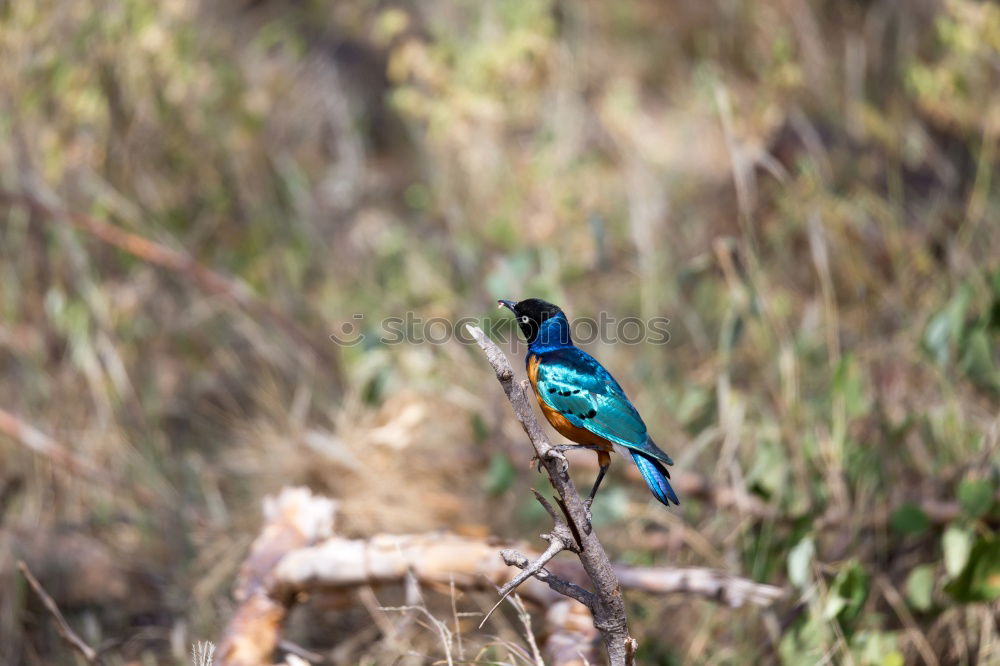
[{"x": 656, "y": 475}]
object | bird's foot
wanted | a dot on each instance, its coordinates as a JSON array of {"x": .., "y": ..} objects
[{"x": 563, "y": 448}]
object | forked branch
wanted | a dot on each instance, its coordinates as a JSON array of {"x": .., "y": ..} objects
[{"x": 605, "y": 602}]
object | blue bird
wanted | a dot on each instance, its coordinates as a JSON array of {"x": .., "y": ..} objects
[{"x": 582, "y": 401}]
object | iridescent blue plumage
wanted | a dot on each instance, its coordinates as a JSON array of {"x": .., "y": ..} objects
[
  {"x": 577, "y": 388},
  {"x": 656, "y": 475}
]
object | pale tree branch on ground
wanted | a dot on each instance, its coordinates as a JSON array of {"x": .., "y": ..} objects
[
  {"x": 437, "y": 558},
  {"x": 607, "y": 604},
  {"x": 294, "y": 519},
  {"x": 281, "y": 569}
]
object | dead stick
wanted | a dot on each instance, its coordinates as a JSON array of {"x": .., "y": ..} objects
[
  {"x": 178, "y": 262},
  {"x": 66, "y": 631},
  {"x": 437, "y": 559},
  {"x": 280, "y": 570}
]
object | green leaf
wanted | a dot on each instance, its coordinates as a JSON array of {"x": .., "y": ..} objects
[
  {"x": 769, "y": 474},
  {"x": 893, "y": 659},
  {"x": 980, "y": 579},
  {"x": 957, "y": 545},
  {"x": 833, "y": 606},
  {"x": 848, "y": 385},
  {"x": 920, "y": 587},
  {"x": 806, "y": 645},
  {"x": 909, "y": 519},
  {"x": 945, "y": 328},
  {"x": 500, "y": 474},
  {"x": 848, "y": 593},
  {"x": 799, "y": 562},
  {"x": 975, "y": 496},
  {"x": 480, "y": 431},
  {"x": 876, "y": 648},
  {"x": 977, "y": 359}
]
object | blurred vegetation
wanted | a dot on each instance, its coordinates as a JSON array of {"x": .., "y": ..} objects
[{"x": 807, "y": 190}]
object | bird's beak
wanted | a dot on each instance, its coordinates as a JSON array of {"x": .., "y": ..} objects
[{"x": 503, "y": 303}]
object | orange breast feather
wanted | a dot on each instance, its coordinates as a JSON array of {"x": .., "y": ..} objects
[{"x": 560, "y": 422}]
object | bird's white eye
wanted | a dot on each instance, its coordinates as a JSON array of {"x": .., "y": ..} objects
[{"x": 525, "y": 319}]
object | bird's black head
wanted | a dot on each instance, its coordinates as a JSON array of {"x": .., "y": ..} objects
[{"x": 530, "y": 314}]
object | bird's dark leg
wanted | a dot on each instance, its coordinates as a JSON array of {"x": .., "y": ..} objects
[{"x": 604, "y": 460}]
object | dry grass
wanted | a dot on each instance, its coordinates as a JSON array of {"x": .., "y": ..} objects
[{"x": 807, "y": 190}]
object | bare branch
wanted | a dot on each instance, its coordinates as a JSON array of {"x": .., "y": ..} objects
[
  {"x": 514, "y": 558},
  {"x": 435, "y": 559},
  {"x": 176, "y": 261},
  {"x": 608, "y": 606},
  {"x": 564, "y": 587},
  {"x": 88, "y": 653},
  {"x": 296, "y": 518},
  {"x": 561, "y": 538},
  {"x": 556, "y": 518},
  {"x": 733, "y": 591}
]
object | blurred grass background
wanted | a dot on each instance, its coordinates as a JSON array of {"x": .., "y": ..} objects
[{"x": 806, "y": 189}]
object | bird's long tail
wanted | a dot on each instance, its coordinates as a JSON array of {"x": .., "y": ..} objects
[{"x": 656, "y": 475}]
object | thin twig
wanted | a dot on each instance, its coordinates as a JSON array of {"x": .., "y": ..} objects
[
  {"x": 564, "y": 587},
  {"x": 203, "y": 653},
  {"x": 88, "y": 653},
  {"x": 525, "y": 617},
  {"x": 454, "y": 615},
  {"x": 529, "y": 569},
  {"x": 176, "y": 261},
  {"x": 895, "y": 600},
  {"x": 441, "y": 627},
  {"x": 560, "y": 539}
]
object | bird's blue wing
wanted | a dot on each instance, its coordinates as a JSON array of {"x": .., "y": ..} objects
[{"x": 573, "y": 383}]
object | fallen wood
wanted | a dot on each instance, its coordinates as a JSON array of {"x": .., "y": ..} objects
[
  {"x": 295, "y": 554},
  {"x": 295, "y": 518},
  {"x": 437, "y": 558}
]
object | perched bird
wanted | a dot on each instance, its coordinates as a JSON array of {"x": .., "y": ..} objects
[{"x": 583, "y": 401}]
